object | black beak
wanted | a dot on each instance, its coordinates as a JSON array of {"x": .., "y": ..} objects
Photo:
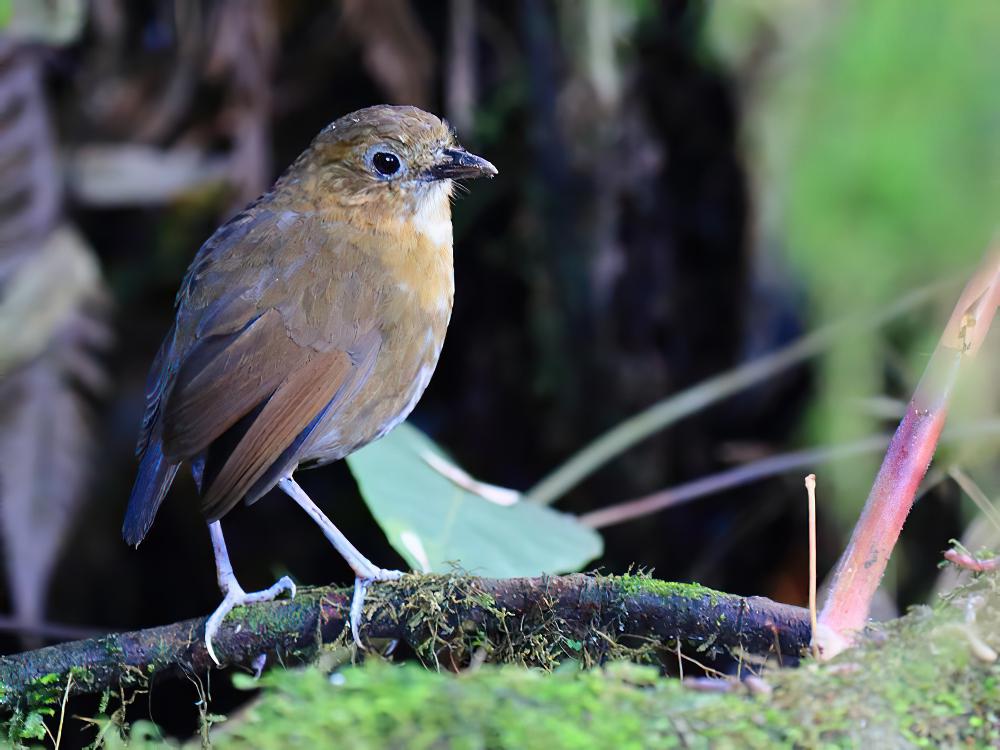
[{"x": 459, "y": 164}]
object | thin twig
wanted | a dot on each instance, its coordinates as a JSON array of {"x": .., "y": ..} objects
[
  {"x": 62, "y": 710},
  {"x": 976, "y": 494},
  {"x": 756, "y": 470},
  {"x": 811, "y": 492},
  {"x": 968, "y": 562},
  {"x": 637, "y": 428},
  {"x": 460, "y": 478}
]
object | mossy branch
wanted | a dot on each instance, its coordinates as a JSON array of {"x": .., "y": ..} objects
[
  {"x": 928, "y": 679},
  {"x": 444, "y": 619}
]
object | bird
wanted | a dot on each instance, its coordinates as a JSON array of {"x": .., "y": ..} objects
[{"x": 306, "y": 327}]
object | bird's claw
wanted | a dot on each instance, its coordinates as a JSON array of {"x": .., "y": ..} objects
[
  {"x": 237, "y": 597},
  {"x": 361, "y": 584}
]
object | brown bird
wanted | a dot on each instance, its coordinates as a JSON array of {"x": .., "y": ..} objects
[{"x": 306, "y": 327}]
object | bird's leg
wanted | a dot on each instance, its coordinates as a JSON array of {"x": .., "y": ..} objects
[
  {"x": 365, "y": 572},
  {"x": 232, "y": 593}
]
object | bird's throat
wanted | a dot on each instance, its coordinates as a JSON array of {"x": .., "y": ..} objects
[{"x": 418, "y": 252}]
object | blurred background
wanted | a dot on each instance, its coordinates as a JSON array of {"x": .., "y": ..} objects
[{"x": 684, "y": 187}]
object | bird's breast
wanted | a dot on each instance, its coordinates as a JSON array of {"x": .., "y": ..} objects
[
  {"x": 412, "y": 280},
  {"x": 418, "y": 263}
]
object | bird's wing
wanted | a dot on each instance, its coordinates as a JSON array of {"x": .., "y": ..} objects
[
  {"x": 224, "y": 377},
  {"x": 315, "y": 383},
  {"x": 191, "y": 307},
  {"x": 247, "y": 375}
]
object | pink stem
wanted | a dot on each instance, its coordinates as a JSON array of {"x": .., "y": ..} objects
[
  {"x": 969, "y": 562},
  {"x": 860, "y": 570}
]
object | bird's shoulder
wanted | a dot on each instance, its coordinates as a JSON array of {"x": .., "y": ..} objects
[{"x": 273, "y": 257}]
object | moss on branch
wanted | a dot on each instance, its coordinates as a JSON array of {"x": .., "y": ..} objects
[
  {"x": 533, "y": 622},
  {"x": 929, "y": 679}
]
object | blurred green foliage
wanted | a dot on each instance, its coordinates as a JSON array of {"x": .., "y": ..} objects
[
  {"x": 894, "y": 177},
  {"x": 875, "y": 130}
]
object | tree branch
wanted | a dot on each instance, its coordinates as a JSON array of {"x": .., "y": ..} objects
[{"x": 444, "y": 619}]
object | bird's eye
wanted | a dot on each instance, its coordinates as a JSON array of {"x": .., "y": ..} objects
[{"x": 386, "y": 163}]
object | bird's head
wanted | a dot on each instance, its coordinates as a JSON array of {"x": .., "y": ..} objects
[{"x": 385, "y": 159}]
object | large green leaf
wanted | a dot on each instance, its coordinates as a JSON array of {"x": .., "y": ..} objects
[{"x": 434, "y": 523}]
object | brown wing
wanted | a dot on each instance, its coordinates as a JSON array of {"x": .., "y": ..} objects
[
  {"x": 276, "y": 323},
  {"x": 282, "y": 391},
  {"x": 210, "y": 304},
  {"x": 273, "y": 328},
  {"x": 224, "y": 378},
  {"x": 318, "y": 384}
]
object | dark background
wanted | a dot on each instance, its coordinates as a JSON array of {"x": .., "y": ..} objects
[{"x": 628, "y": 249}]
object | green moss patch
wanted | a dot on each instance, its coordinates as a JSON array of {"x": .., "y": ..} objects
[{"x": 929, "y": 679}]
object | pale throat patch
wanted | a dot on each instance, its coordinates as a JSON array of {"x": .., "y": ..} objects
[{"x": 432, "y": 214}]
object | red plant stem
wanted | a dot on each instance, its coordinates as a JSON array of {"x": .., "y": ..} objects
[
  {"x": 968, "y": 562},
  {"x": 860, "y": 570},
  {"x": 910, "y": 452}
]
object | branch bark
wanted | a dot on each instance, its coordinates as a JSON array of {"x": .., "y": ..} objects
[{"x": 524, "y": 620}]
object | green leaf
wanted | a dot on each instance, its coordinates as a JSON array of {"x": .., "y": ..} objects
[
  {"x": 34, "y": 727},
  {"x": 434, "y": 523}
]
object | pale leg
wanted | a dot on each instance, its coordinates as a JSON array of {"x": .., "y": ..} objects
[
  {"x": 366, "y": 573},
  {"x": 233, "y": 594}
]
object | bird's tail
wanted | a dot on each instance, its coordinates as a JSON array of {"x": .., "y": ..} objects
[{"x": 154, "y": 479}]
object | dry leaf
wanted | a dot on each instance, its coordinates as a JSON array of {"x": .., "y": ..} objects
[{"x": 50, "y": 325}]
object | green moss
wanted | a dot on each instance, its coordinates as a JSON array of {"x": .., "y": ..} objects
[
  {"x": 257, "y": 619},
  {"x": 627, "y": 706},
  {"x": 632, "y": 584},
  {"x": 918, "y": 683},
  {"x": 112, "y": 646},
  {"x": 443, "y": 619},
  {"x": 923, "y": 681},
  {"x": 388, "y": 706}
]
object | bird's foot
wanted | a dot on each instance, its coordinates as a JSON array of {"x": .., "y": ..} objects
[
  {"x": 237, "y": 597},
  {"x": 361, "y": 584}
]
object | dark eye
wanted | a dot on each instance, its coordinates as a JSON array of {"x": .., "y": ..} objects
[{"x": 386, "y": 163}]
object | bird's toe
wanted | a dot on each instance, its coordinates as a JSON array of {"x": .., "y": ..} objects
[{"x": 237, "y": 597}]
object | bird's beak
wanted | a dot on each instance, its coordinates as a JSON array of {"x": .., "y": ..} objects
[{"x": 459, "y": 164}]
